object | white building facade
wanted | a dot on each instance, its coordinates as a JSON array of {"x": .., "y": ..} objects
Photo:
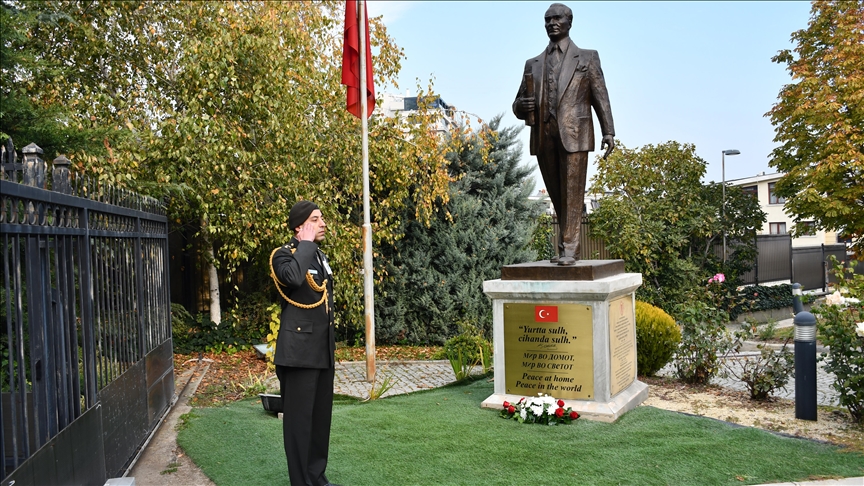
[
  {"x": 778, "y": 222},
  {"x": 393, "y": 105}
]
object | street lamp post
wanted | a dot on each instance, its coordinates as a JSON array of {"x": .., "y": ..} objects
[{"x": 729, "y": 152}]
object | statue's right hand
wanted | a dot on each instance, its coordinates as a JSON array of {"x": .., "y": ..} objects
[{"x": 528, "y": 104}]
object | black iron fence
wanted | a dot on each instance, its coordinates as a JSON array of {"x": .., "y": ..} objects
[{"x": 85, "y": 327}]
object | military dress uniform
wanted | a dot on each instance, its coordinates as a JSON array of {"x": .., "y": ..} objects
[{"x": 304, "y": 357}]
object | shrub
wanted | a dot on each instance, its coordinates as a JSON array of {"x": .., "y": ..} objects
[
  {"x": 248, "y": 317},
  {"x": 763, "y": 374},
  {"x": 466, "y": 351},
  {"x": 723, "y": 294},
  {"x": 541, "y": 238},
  {"x": 274, "y": 322},
  {"x": 840, "y": 323},
  {"x": 657, "y": 336},
  {"x": 703, "y": 338},
  {"x": 767, "y": 331},
  {"x": 192, "y": 334},
  {"x": 182, "y": 329}
]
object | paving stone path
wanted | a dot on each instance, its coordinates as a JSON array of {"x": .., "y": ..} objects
[
  {"x": 405, "y": 376},
  {"x": 411, "y": 376}
]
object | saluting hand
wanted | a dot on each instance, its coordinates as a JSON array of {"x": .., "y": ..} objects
[{"x": 307, "y": 232}]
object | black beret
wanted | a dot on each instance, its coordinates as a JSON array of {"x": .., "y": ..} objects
[{"x": 300, "y": 213}]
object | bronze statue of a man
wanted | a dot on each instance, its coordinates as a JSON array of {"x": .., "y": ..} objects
[{"x": 558, "y": 89}]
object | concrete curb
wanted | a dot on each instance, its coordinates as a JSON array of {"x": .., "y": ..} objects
[
  {"x": 162, "y": 463},
  {"x": 825, "y": 482}
]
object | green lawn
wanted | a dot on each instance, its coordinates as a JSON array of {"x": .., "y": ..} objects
[{"x": 443, "y": 437}]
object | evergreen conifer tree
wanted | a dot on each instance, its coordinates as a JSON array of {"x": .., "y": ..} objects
[{"x": 436, "y": 273}]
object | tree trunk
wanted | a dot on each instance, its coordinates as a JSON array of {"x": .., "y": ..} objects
[{"x": 213, "y": 278}]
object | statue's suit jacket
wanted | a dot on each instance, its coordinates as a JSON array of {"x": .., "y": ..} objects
[
  {"x": 580, "y": 86},
  {"x": 306, "y": 336}
]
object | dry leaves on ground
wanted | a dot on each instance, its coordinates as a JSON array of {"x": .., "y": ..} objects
[
  {"x": 230, "y": 377},
  {"x": 390, "y": 353}
]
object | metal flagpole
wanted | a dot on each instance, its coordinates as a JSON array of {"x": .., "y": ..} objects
[{"x": 369, "y": 312}]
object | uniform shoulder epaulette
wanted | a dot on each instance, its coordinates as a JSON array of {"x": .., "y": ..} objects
[{"x": 289, "y": 246}]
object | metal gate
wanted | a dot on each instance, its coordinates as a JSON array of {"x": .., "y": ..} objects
[{"x": 85, "y": 327}]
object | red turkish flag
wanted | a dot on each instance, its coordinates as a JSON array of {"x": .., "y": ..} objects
[
  {"x": 545, "y": 313},
  {"x": 351, "y": 61}
]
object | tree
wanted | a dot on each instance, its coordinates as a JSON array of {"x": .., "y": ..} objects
[
  {"x": 739, "y": 219},
  {"x": 819, "y": 121},
  {"x": 233, "y": 110},
  {"x": 436, "y": 273},
  {"x": 670, "y": 233},
  {"x": 27, "y": 119}
]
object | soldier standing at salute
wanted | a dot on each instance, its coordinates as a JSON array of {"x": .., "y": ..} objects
[{"x": 305, "y": 345}]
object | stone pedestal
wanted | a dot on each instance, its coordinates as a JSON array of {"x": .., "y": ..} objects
[{"x": 571, "y": 339}]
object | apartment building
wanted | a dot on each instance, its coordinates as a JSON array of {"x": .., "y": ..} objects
[{"x": 778, "y": 222}]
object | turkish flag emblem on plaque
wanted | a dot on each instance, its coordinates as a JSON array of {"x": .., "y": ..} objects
[{"x": 545, "y": 313}]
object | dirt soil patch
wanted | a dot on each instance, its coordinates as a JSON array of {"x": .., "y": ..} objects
[{"x": 833, "y": 424}]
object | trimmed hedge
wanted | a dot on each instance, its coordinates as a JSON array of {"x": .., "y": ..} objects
[
  {"x": 657, "y": 337},
  {"x": 762, "y": 297},
  {"x": 773, "y": 297}
]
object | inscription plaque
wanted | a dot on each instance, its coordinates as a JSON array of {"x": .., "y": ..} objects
[
  {"x": 622, "y": 343},
  {"x": 549, "y": 350}
]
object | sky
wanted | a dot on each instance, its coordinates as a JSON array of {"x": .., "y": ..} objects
[{"x": 695, "y": 72}]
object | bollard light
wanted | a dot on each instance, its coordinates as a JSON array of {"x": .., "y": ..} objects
[
  {"x": 805, "y": 366},
  {"x": 797, "y": 292}
]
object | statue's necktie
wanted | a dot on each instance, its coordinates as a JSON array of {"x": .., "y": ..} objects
[{"x": 553, "y": 60}]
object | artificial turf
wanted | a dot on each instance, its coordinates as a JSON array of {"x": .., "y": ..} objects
[{"x": 443, "y": 437}]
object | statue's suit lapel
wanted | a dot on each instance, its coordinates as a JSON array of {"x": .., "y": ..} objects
[{"x": 568, "y": 68}]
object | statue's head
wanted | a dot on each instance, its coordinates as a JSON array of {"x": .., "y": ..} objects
[{"x": 559, "y": 18}]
